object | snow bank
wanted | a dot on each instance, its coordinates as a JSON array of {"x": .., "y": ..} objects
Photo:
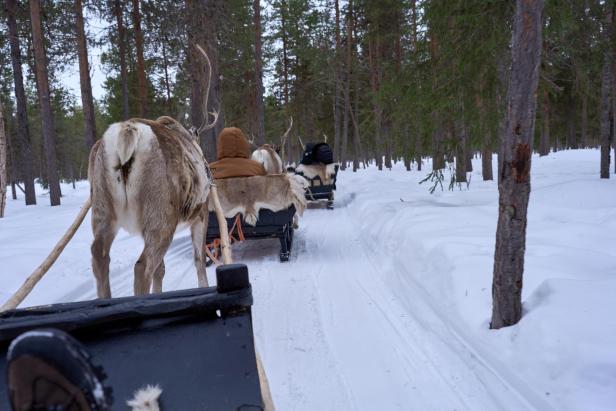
[{"x": 563, "y": 348}]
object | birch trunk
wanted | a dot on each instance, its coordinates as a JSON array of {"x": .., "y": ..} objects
[{"x": 514, "y": 164}]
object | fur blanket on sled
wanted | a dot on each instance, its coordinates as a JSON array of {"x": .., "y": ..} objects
[
  {"x": 248, "y": 195},
  {"x": 326, "y": 173}
]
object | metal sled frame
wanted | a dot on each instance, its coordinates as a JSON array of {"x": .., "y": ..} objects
[
  {"x": 196, "y": 344},
  {"x": 270, "y": 224}
]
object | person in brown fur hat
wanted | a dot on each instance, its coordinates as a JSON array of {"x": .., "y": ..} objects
[{"x": 233, "y": 156}]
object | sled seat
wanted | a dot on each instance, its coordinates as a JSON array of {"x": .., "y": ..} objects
[
  {"x": 270, "y": 224},
  {"x": 196, "y": 344}
]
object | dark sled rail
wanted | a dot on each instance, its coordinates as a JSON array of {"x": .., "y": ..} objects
[
  {"x": 196, "y": 344},
  {"x": 270, "y": 224}
]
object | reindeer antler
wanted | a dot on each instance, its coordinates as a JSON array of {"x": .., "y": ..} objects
[
  {"x": 204, "y": 126},
  {"x": 283, "y": 139},
  {"x": 325, "y": 137},
  {"x": 301, "y": 142}
]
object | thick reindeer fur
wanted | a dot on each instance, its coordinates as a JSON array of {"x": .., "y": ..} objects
[
  {"x": 269, "y": 158},
  {"x": 146, "y": 399},
  {"x": 326, "y": 172},
  {"x": 146, "y": 177},
  {"x": 248, "y": 195}
]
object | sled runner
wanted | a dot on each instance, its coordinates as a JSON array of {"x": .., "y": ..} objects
[
  {"x": 196, "y": 344},
  {"x": 270, "y": 224}
]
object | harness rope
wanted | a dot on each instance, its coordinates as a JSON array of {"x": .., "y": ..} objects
[{"x": 211, "y": 249}]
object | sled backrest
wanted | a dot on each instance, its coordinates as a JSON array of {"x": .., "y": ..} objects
[{"x": 196, "y": 344}]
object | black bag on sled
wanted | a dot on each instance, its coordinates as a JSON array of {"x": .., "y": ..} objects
[{"x": 317, "y": 153}]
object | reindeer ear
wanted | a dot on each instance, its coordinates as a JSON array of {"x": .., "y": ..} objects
[{"x": 277, "y": 149}]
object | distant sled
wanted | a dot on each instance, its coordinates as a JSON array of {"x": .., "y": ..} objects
[{"x": 322, "y": 182}]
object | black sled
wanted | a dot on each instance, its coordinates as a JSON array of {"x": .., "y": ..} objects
[
  {"x": 196, "y": 344},
  {"x": 270, "y": 224}
]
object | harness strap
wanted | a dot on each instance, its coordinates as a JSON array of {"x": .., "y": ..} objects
[{"x": 212, "y": 249}]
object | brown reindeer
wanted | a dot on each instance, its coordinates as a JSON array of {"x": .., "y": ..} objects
[
  {"x": 148, "y": 177},
  {"x": 269, "y": 154}
]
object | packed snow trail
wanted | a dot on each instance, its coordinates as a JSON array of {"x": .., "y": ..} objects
[
  {"x": 386, "y": 300},
  {"x": 330, "y": 311}
]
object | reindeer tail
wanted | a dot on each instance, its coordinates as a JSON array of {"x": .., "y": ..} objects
[{"x": 127, "y": 142}]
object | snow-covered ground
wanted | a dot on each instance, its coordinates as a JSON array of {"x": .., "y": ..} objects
[{"x": 386, "y": 301}]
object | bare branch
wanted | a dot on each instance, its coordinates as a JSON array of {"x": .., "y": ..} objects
[{"x": 205, "y": 126}]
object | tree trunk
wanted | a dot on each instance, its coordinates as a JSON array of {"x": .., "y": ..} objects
[
  {"x": 337, "y": 90},
  {"x": 202, "y": 30},
  {"x": 461, "y": 156},
  {"x": 209, "y": 27},
  {"x": 375, "y": 78},
  {"x": 197, "y": 77},
  {"x": 571, "y": 133},
  {"x": 544, "y": 144},
  {"x": 23, "y": 133},
  {"x": 357, "y": 150},
  {"x": 87, "y": 100},
  {"x": 119, "y": 15},
  {"x": 514, "y": 163},
  {"x": 347, "y": 84},
  {"x": 42, "y": 81},
  {"x": 166, "y": 71},
  {"x": 3, "y": 175},
  {"x": 143, "y": 87},
  {"x": 486, "y": 143},
  {"x": 260, "y": 110},
  {"x": 606, "y": 88},
  {"x": 584, "y": 136}
]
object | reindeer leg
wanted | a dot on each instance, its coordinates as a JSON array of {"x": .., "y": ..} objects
[
  {"x": 103, "y": 237},
  {"x": 157, "y": 281},
  {"x": 148, "y": 270},
  {"x": 141, "y": 285},
  {"x": 198, "y": 232}
]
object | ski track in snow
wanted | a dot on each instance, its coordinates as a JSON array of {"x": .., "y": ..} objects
[{"x": 347, "y": 323}]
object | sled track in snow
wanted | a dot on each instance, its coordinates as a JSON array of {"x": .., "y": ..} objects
[{"x": 343, "y": 326}]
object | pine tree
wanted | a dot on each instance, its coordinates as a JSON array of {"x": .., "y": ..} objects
[
  {"x": 514, "y": 162},
  {"x": 87, "y": 100},
  {"x": 23, "y": 128},
  {"x": 42, "y": 82}
]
